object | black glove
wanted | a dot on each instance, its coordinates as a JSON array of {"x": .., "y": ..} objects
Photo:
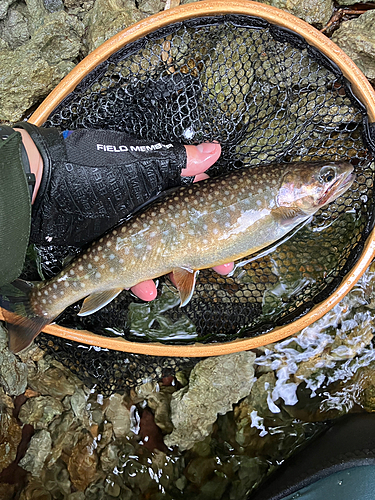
[{"x": 95, "y": 178}]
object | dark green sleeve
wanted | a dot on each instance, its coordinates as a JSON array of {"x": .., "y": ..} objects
[{"x": 15, "y": 209}]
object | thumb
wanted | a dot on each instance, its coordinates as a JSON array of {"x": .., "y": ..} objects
[{"x": 200, "y": 158}]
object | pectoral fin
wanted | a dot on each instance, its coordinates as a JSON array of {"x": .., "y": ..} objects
[
  {"x": 96, "y": 301},
  {"x": 285, "y": 215},
  {"x": 185, "y": 283}
]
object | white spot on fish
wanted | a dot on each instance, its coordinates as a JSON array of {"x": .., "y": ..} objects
[
  {"x": 72, "y": 272},
  {"x": 109, "y": 243},
  {"x": 111, "y": 257},
  {"x": 66, "y": 284},
  {"x": 98, "y": 275},
  {"x": 80, "y": 268},
  {"x": 111, "y": 269},
  {"x": 89, "y": 266},
  {"x": 96, "y": 258}
]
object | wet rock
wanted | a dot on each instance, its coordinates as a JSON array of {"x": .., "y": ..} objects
[
  {"x": 143, "y": 391},
  {"x": 77, "y": 7},
  {"x": 4, "y": 6},
  {"x": 199, "y": 470},
  {"x": 37, "y": 452},
  {"x": 7, "y": 491},
  {"x": 40, "y": 412},
  {"x": 105, "y": 435},
  {"x": 6, "y": 403},
  {"x": 118, "y": 415},
  {"x": 357, "y": 39},
  {"x": 151, "y": 6},
  {"x": 77, "y": 495},
  {"x": 35, "y": 490},
  {"x": 13, "y": 373},
  {"x": 215, "y": 385},
  {"x": 317, "y": 12},
  {"x": 10, "y": 437},
  {"x": 109, "y": 457},
  {"x": 250, "y": 414},
  {"x": 53, "y": 5},
  {"x": 34, "y": 69},
  {"x": 107, "y": 18},
  {"x": 65, "y": 432},
  {"x": 56, "y": 480},
  {"x": 54, "y": 382},
  {"x": 83, "y": 463},
  {"x": 14, "y": 29},
  {"x": 78, "y": 403},
  {"x": 160, "y": 402}
]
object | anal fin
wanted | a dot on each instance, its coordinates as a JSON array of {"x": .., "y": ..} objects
[
  {"x": 185, "y": 283},
  {"x": 96, "y": 301}
]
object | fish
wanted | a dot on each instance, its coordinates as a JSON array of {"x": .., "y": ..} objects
[{"x": 212, "y": 222}]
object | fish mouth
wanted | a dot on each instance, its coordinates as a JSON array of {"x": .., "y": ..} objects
[{"x": 339, "y": 187}]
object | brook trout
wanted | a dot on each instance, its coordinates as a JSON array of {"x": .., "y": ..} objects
[{"x": 207, "y": 224}]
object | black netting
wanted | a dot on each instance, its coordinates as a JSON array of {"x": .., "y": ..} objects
[{"x": 266, "y": 96}]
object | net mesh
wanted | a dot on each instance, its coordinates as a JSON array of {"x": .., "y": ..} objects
[{"x": 266, "y": 96}]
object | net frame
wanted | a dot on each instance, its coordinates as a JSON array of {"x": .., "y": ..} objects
[{"x": 361, "y": 88}]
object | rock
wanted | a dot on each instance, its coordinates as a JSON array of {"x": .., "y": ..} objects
[
  {"x": 215, "y": 385},
  {"x": 40, "y": 411},
  {"x": 4, "y": 6},
  {"x": 54, "y": 382},
  {"x": 119, "y": 415},
  {"x": 107, "y": 18},
  {"x": 37, "y": 452},
  {"x": 249, "y": 415},
  {"x": 151, "y": 6},
  {"x": 35, "y": 490},
  {"x": 77, "y": 495},
  {"x": 34, "y": 69},
  {"x": 317, "y": 12},
  {"x": 160, "y": 403},
  {"x": 77, "y": 7},
  {"x": 65, "y": 432},
  {"x": 83, "y": 463},
  {"x": 7, "y": 491},
  {"x": 78, "y": 403},
  {"x": 10, "y": 437},
  {"x": 14, "y": 29},
  {"x": 109, "y": 457},
  {"x": 13, "y": 373},
  {"x": 357, "y": 39},
  {"x": 56, "y": 480},
  {"x": 53, "y": 5}
]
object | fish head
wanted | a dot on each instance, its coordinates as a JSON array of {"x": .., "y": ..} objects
[{"x": 307, "y": 187}]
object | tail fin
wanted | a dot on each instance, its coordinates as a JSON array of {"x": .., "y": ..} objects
[{"x": 22, "y": 322}]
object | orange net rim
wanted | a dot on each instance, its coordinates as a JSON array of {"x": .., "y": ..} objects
[{"x": 361, "y": 88}]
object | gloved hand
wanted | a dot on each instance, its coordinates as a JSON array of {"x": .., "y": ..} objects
[{"x": 95, "y": 178}]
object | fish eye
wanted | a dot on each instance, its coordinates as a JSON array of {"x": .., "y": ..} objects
[{"x": 327, "y": 174}]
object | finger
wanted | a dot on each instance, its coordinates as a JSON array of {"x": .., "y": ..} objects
[
  {"x": 200, "y": 177},
  {"x": 224, "y": 268},
  {"x": 146, "y": 290},
  {"x": 200, "y": 158}
]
